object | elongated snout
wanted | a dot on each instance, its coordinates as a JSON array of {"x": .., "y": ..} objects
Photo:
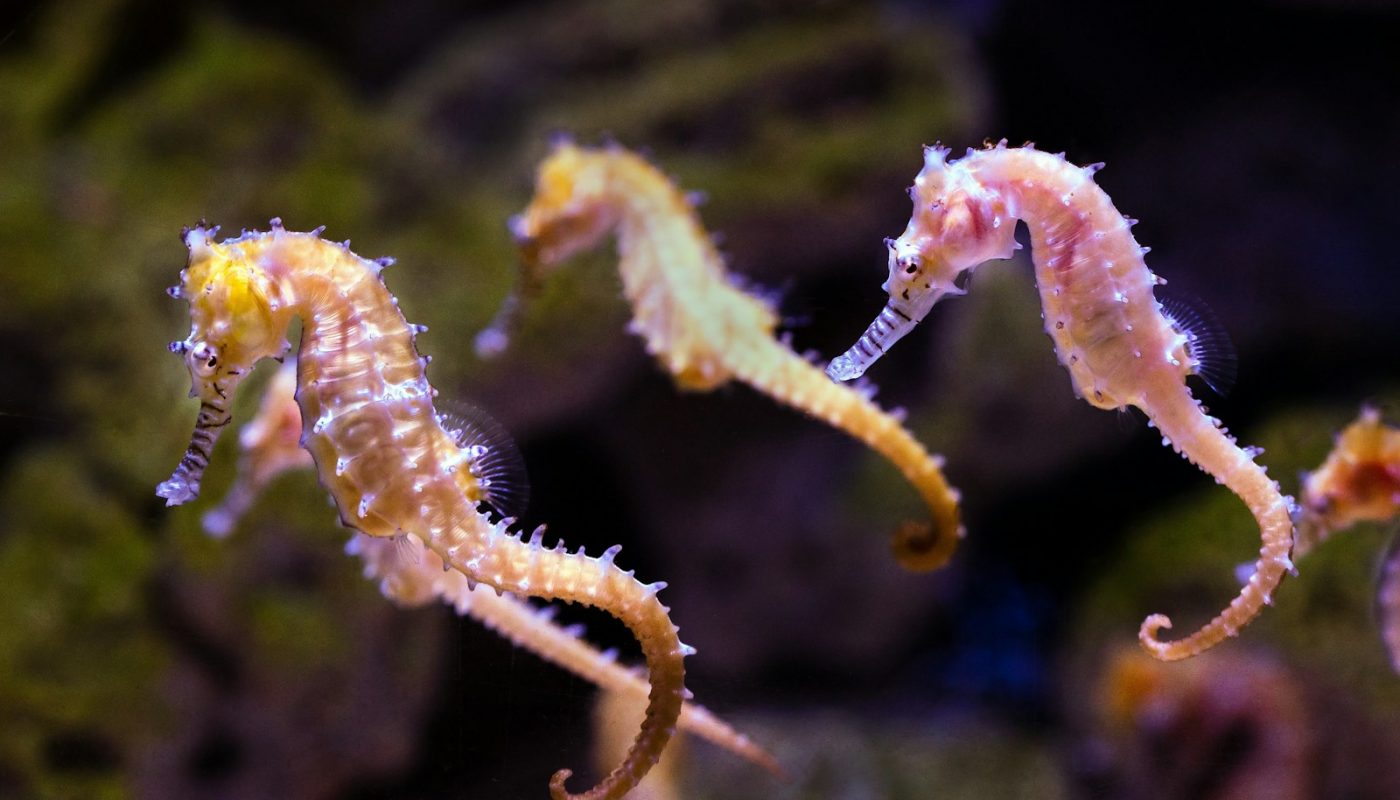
[
  {"x": 889, "y": 327},
  {"x": 183, "y": 485}
]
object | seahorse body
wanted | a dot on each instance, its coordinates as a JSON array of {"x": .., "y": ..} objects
[
  {"x": 696, "y": 321},
  {"x": 1108, "y": 329},
  {"x": 412, "y": 576},
  {"x": 369, "y": 424}
]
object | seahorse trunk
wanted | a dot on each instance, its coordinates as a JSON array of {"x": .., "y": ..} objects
[
  {"x": 1199, "y": 438},
  {"x": 777, "y": 371},
  {"x": 503, "y": 561}
]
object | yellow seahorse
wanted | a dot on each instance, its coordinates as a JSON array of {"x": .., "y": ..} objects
[
  {"x": 1359, "y": 481},
  {"x": 696, "y": 321},
  {"x": 379, "y": 447},
  {"x": 270, "y": 445},
  {"x": 1120, "y": 347}
]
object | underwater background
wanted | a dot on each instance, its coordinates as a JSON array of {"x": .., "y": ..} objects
[{"x": 141, "y": 658}]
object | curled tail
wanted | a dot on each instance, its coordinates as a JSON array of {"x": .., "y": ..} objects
[
  {"x": 507, "y": 563},
  {"x": 1200, "y": 439},
  {"x": 772, "y": 368}
]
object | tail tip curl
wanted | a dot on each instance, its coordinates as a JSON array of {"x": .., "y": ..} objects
[
  {"x": 924, "y": 547},
  {"x": 1147, "y": 636},
  {"x": 556, "y": 785}
]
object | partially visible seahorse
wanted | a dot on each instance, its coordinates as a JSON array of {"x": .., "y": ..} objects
[
  {"x": 270, "y": 445},
  {"x": 1359, "y": 482},
  {"x": 379, "y": 447},
  {"x": 696, "y": 321},
  {"x": 1121, "y": 349}
]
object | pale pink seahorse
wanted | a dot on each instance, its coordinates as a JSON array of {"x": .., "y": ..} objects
[
  {"x": 411, "y": 576},
  {"x": 379, "y": 446},
  {"x": 1109, "y": 330}
]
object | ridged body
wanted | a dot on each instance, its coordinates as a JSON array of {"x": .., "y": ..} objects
[
  {"x": 1109, "y": 330},
  {"x": 369, "y": 423},
  {"x": 704, "y": 328}
]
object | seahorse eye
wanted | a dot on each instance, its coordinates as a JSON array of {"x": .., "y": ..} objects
[
  {"x": 910, "y": 264},
  {"x": 205, "y": 359}
]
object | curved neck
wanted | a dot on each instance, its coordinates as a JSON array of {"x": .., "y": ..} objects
[{"x": 659, "y": 235}]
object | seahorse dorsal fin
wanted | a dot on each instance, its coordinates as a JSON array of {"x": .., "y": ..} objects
[
  {"x": 1207, "y": 342},
  {"x": 493, "y": 456}
]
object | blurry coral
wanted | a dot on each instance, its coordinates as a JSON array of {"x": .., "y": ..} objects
[{"x": 1228, "y": 726}]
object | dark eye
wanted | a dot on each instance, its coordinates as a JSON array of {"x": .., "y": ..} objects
[
  {"x": 911, "y": 265},
  {"x": 205, "y": 359}
]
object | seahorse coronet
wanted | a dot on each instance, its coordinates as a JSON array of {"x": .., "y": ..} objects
[
  {"x": 380, "y": 450},
  {"x": 1109, "y": 331}
]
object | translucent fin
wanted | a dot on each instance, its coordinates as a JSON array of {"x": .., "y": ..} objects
[
  {"x": 494, "y": 458},
  {"x": 408, "y": 550},
  {"x": 1207, "y": 342}
]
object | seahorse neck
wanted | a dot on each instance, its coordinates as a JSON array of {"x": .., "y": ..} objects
[
  {"x": 1039, "y": 188},
  {"x": 659, "y": 238}
]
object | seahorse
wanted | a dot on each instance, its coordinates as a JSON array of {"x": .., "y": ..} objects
[
  {"x": 1359, "y": 481},
  {"x": 1118, "y": 344},
  {"x": 379, "y": 446},
  {"x": 411, "y": 576},
  {"x": 697, "y": 321}
]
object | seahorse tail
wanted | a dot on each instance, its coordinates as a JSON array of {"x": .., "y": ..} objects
[
  {"x": 1199, "y": 438},
  {"x": 509, "y": 564},
  {"x": 413, "y": 582},
  {"x": 919, "y": 546}
]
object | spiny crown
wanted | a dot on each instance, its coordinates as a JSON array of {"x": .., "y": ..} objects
[{"x": 957, "y": 223}]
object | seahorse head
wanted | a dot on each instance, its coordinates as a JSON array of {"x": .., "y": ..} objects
[
  {"x": 233, "y": 311},
  {"x": 234, "y": 314},
  {"x": 957, "y": 224},
  {"x": 569, "y": 212}
]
